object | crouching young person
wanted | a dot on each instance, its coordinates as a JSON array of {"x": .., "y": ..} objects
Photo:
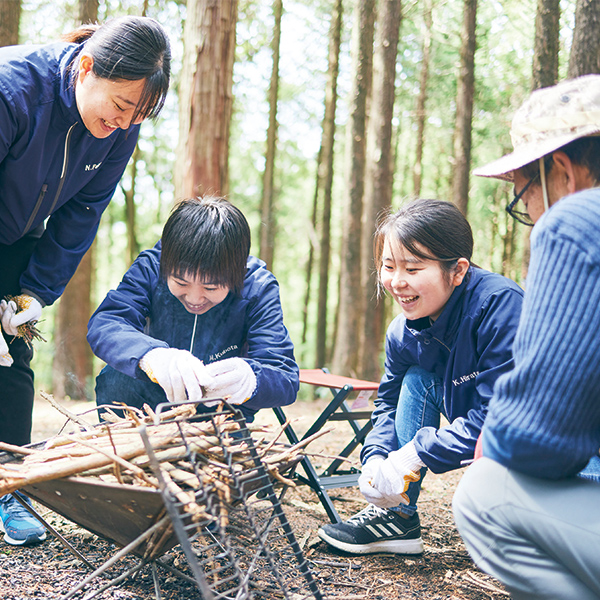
[
  {"x": 442, "y": 358},
  {"x": 196, "y": 317}
]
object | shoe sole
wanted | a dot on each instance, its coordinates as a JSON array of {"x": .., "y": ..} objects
[{"x": 393, "y": 546}]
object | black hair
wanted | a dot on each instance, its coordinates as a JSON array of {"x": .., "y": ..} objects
[
  {"x": 208, "y": 239},
  {"x": 584, "y": 151},
  {"x": 130, "y": 48},
  {"x": 428, "y": 229}
]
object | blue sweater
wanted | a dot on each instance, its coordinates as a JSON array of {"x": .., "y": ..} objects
[
  {"x": 468, "y": 347},
  {"x": 50, "y": 165},
  {"x": 544, "y": 418},
  {"x": 142, "y": 314}
]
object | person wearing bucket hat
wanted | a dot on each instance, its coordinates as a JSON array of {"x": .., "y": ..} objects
[{"x": 529, "y": 508}]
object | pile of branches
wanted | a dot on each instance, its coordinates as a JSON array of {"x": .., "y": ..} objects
[{"x": 205, "y": 454}]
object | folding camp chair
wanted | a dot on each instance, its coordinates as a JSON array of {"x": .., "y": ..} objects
[{"x": 337, "y": 474}]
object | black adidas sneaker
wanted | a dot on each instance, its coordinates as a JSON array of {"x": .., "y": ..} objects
[{"x": 374, "y": 530}]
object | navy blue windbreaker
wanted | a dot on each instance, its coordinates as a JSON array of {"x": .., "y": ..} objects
[
  {"x": 468, "y": 347},
  {"x": 142, "y": 314},
  {"x": 50, "y": 165}
]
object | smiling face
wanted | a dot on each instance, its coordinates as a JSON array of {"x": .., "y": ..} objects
[
  {"x": 197, "y": 296},
  {"x": 419, "y": 285},
  {"x": 105, "y": 105}
]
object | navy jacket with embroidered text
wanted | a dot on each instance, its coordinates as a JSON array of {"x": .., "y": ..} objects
[
  {"x": 51, "y": 165},
  {"x": 468, "y": 347},
  {"x": 142, "y": 314}
]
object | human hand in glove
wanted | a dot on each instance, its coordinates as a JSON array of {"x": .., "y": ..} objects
[
  {"x": 395, "y": 474},
  {"x": 369, "y": 469},
  {"x": 5, "y": 358},
  {"x": 20, "y": 310},
  {"x": 232, "y": 379},
  {"x": 178, "y": 372}
]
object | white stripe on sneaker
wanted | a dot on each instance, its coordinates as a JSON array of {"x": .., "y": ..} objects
[{"x": 373, "y": 530}]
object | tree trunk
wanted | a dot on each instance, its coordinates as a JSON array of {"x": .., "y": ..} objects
[
  {"x": 378, "y": 183},
  {"x": 345, "y": 352},
  {"x": 72, "y": 365},
  {"x": 87, "y": 11},
  {"x": 464, "y": 108},
  {"x": 205, "y": 98},
  {"x": 545, "y": 54},
  {"x": 10, "y": 16},
  {"x": 72, "y": 371},
  {"x": 585, "y": 49},
  {"x": 325, "y": 178},
  {"x": 267, "y": 225},
  {"x": 133, "y": 246},
  {"x": 422, "y": 99}
]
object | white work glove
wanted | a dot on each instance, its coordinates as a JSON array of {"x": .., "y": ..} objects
[
  {"x": 395, "y": 474},
  {"x": 369, "y": 469},
  {"x": 5, "y": 358},
  {"x": 22, "y": 309},
  {"x": 178, "y": 372},
  {"x": 232, "y": 379}
]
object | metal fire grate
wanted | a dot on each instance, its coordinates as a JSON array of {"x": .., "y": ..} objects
[{"x": 232, "y": 530}]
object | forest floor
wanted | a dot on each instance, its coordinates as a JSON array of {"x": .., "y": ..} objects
[{"x": 443, "y": 571}]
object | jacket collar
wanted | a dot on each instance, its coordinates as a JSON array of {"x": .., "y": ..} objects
[{"x": 66, "y": 82}]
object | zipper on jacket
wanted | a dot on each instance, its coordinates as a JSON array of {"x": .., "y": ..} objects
[
  {"x": 64, "y": 169},
  {"x": 193, "y": 333},
  {"x": 36, "y": 209}
]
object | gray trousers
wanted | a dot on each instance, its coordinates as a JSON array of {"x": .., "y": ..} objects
[{"x": 540, "y": 538}]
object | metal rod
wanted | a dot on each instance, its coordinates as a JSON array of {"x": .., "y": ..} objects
[
  {"x": 125, "y": 550},
  {"x": 53, "y": 531}
]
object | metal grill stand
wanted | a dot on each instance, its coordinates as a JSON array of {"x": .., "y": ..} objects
[{"x": 229, "y": 522}]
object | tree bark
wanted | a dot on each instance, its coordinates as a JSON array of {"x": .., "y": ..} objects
[
  {"x": 87, "y": 11},
  {"x": 422, "y": 99},
  {"x": 545, "y": 54},
  {"x": 325, "y": 178},
  {"x": 205, "y": 98},
  {"x": 378, "y": 183},
  {"x": 585, "y": 49},
  {"x": 346, "y": 348},
  {"x": 10, "y": 17},
  {"x": 268, "y": 221},
  {"x": 72, "y": 365},
  {"x": 464, "y": 108}
]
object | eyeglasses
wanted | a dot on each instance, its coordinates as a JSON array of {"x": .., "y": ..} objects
[{"x": 519, "y": 215}]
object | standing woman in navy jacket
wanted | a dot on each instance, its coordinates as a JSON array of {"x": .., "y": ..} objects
[
  {"x": 69, "y": 120},
  {"x": 443, "y": 356}
]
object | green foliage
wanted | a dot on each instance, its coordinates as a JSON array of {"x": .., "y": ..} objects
[{"x": 503, "y": 79}]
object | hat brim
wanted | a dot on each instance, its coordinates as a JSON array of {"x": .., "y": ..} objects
[{"x": 503, "y": 168}]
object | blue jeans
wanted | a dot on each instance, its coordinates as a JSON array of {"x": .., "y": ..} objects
[
  {"x": 420, "y": 404},
  {"x": 112, "y": 386}
]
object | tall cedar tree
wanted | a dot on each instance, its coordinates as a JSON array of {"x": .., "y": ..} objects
[
  {"x": 420, "y": 113},
  {"x": 268, "y": 223},
  {"x": 379, "y": 179},
  {"x": 348, "y": 318},
  {"x": 547, "y": 41},
  {"x": 10, "y": 17},
  {"x": 585, "y": 49},
  {"x": 464, "y": 108},
  {"x": 72, "y": 364},
  {"x": 205, "y": 98},
  {"x": 325, "y": 177}
]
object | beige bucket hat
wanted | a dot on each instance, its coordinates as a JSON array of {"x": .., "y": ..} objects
[{"x": 551, "y": 118}]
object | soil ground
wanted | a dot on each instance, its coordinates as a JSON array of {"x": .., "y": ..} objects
[{"x": 443, "y": 571}]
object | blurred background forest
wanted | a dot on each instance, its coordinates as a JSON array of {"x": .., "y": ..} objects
[{"x": 312, "y": 116}]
